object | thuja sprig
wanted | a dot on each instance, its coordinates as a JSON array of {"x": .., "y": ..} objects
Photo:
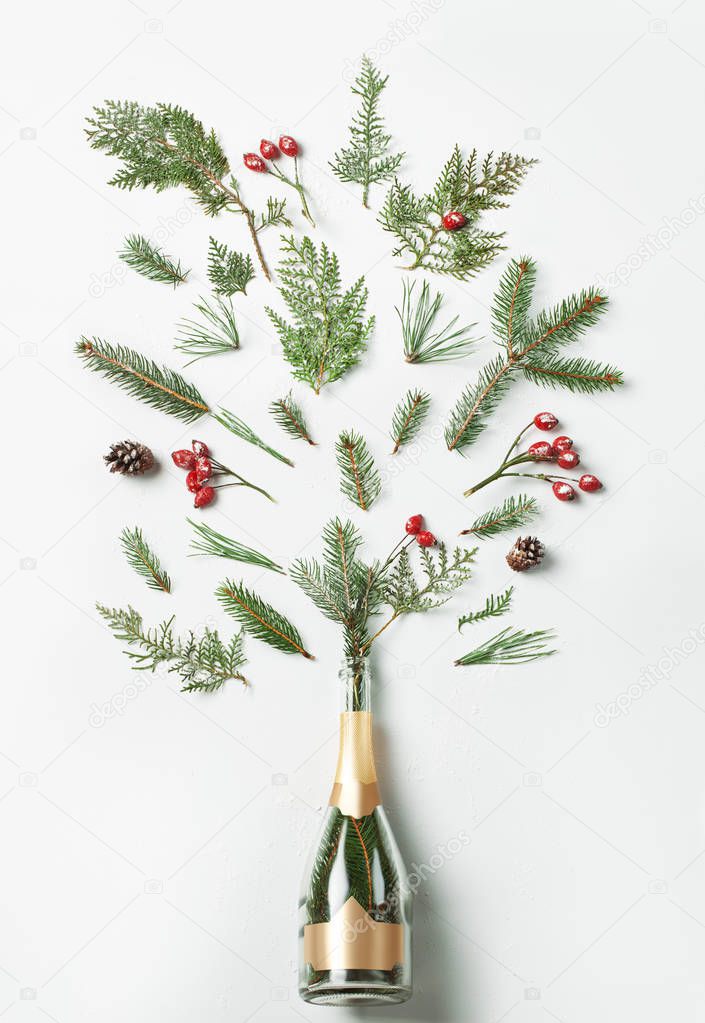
[
  {"x": 366, "y": 160},
  {"x": 149, "y": 261},
  {"x": 329, "y": 332},
  {"x": 143, "y": 560},
  {"x": 204, "y": 664},
  {"x": 513, "y": 513},
  {"x": 165, "y": 146},
  {"x": 510, "y": 646},
  {"x": 530, "y": 348},
  {"x": 440, "y": 230},
  {"x": 360, "y": 481},
  {"x": 494, "y": 607},
  {"x": 408, "y": 417},
  {"x": 228, "y": 271},
  {"x": 260, "y": 619},
  {"x": 215, "y": 334},
  {"x": 289, "y": 415},
  {"x": 209, "y": 542},
  {"x": 421, "y": 343}
]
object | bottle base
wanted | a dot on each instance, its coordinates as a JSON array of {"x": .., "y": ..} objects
[{"x": 352, "y": 994}]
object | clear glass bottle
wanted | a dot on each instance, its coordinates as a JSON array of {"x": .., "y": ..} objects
[{"x": 355, "y": 906}]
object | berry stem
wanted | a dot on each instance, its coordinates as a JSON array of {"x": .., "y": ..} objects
[{"x": 296, "y": 184}]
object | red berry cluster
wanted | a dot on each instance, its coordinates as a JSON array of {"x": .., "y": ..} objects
[
  {"x": 200, "y": 469},
  {"x": 561, "y": 451},
  {"x": 263, "y": 163},
  {"x": 423, "y": 537}
]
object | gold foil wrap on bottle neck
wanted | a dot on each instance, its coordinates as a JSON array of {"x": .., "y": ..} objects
[
  {"x": 355, "y": 790},
  {"x": 352, "y": 940}
]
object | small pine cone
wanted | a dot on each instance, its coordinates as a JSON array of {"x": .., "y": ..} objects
[
  {"x": 129, "y": 458},
  {"x": 526, "y": 553}
]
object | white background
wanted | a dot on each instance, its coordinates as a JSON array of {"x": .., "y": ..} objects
[{"x": 150, "y": 860}]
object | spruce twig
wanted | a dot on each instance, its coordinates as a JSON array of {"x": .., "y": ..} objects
[
  {"x": 494, "y": 607},
  {"x": 408, "y": 417},
  {"x": 149, "y": 261},
  {"x": 421, "y": 343},
  {"x": 228, "y": 271},
  {"x": 510, "y": 646},
  {"x": 360, "y": 481},
  {"x": 513, "y": 513},
  {"x": 289, "y": 415},
  {"x": 260, "y": 619},
  {"x": 208, "y": 542},
  {"x": 216, "y": 334},
  {"x": 144, "y": 561}
]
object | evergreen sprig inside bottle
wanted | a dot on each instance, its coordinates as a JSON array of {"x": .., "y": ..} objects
[
  {"x": 359, "y": 479},
  {"x": 215, "y": 334},
  {"x": 209, "y": 542},
  {"x": 149, "y": 261},
  {"x": 494, "y": 607},
  {"x": 329, "y": 332},
  {"x": 143, "y": 560},
  {"x": 260, "y": 619},
  {"x": 421, "y": 342},
  {"x": 409, "y": 416},
  {"x": 228, "y": 271},
  {"x": 289, "y": 415},
  {"x": 440, "y": 230},
  {"x": 366, "y": 160}
]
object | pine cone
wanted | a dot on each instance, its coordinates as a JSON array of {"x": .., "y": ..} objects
[
  {"x": 526, "y": 553},
  {"x": 129, "y": 458}
]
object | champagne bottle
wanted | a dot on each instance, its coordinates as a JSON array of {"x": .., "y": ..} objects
[{"x": 355, "y": 906}]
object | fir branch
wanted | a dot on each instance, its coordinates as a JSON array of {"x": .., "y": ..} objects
[
  {"x": 584, "y": 376},
  {"x": 289, "y": 415},
  {"x": 477, "y": 402},
  {"x": 513, "y": 513},
  {"x": 260, "y": 619},
  {"x": 244, "y": 432},
  {"x": 149, "y": 261},
  {"x": 510, "y": 646},
  {"x": 203, "y": 664},
  {"x": 328, "y": 333},
  {"x": 359, "y": 479},
  {"x": 216, "y": 334},
  {"x": 421, "y": 343},
  {"x": 408, "y": 417},
  {"x": 208, "y": 542},
  {"x": 144, "y": 561},
  {"x": 494, "y": 607},
  {"x": 366, "y": 160},
  {"x": 228, "y": 271}
]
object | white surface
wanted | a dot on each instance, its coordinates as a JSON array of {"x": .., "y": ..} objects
[{"x": 150, "y": 866}]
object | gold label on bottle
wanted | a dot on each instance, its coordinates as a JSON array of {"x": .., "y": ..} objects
[
  {"x": 352, "y": 940},
  {"x": 355, "y": 791}
]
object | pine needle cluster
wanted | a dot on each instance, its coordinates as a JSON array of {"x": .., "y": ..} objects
[
  {"x": 510, "y": 646},
  {"x": 228, "y": 271},
  {"x": 209, "y": 542},
  {"x": 421, "y": 342},
  {"x": 360, "y": 481},
  {"x": 215, "y": 334},
  {"x": 149, "y": 261}
]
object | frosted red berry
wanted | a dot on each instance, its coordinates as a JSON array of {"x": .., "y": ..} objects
[
  {"x": 288, "y": 145},
  {"x": 425, "y": 539},
  {"x": 453, "y": 221},
  {"x": 589, "y": 483},
  {"x": 204, "y": 469},
  {"x": 413, "y": 524},
  {"x": 254, "y": 162},
  {"x": 268, "y": 150},
  {"x": 568, "y": 459},
  {"x": 545, "y": 421},
  {"x": 542, "y": 451},
  {"x": 200, "y": 448},
  {"x": 562, "y": 443},
  {"x": 203, "y": 497},
  {"x": 184, "y": 459},
  {"x": 192, "y": 481},
  {"x": 563, "y": 491}
]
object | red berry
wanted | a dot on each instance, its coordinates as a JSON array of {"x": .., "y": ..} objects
[
  {"x": 589, "y": 483},
  {"x": 454, "y": 220},
  {"x": 542, "y": 451},
  {"x": 184, "y": 459},
  {"x": 192, "y": 482},
  {"x": 203, "y": 497},
  {"x": 413, "y": 525},
  {"x": 568, "y": 459},
  {"x": 254, "y": 162},
  {"x": 545, "y": 421},
  {"x": 200, "y": 448},
  {"x": 268, "y": 150},
  {"x": 425, "y": 539},
  {"x": 288, "y": 145},
  {"x": 562, "y": 443},
  {"x": 204, "y": 469},
  {"x": 563, "y": 491}
]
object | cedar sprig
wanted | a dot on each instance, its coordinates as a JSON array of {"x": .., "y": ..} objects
[
  {"x": 228, "y": 271},
  {"x": 470, "y": 187},
  {"x": 143, "y": 559},
  {"x": 510, "y": 646},
  {"x": 409, "y": 416},
  {"x": 204, "y": 664},
  {"x": 209, "y": 542},
  {"x": 421, "y": 343},
  {"x": 275, "y": 215},
  {"x": 289, "y": 415},
  {"x": 260, "y": 619},
  {"x": 360, "y": 481},
  {"x": 366, "y": 160},
  {"x": 513, "y": 513},
  {"x": 215, "y": 334},
  {"x": 328, "y": 332},
  {"x": 530, "y": 348},
  {"x": 241, "y": 429},
  {"x": 494, "y": 607},
  {"x": 151, "y": 262}
]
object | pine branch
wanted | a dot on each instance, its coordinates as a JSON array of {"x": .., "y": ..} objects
[
  {"x": 513, "y": 513},
  {"x": 494, "y": 607},
  {"x": 216, "y": 334},
  {"x": 203, "y": 664},
  {"x": 477, "y": 402},
  {"x": 329, "y": 333},
  {"x": 366, "y": 160},
  {"x": 149, "y": 261},
  {"x": 408, "y": 417},
  {"x": 208, "y": 542},
  {"x": 580, "y": 375},
  {"x": 144, "y": 561},
  {"x": 289, "y": 415},
  {"x": 421, "y": 344},
  {"x": 244, "y": 432},
  {"x": 510, "y": 646},
  {"x": 260, "y": 619},
  {"x": 359, "y": 479},
  {"x": 228, "y": 271}
]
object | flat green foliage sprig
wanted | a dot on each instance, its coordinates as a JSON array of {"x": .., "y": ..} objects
[{"x": 228, "y": 271}]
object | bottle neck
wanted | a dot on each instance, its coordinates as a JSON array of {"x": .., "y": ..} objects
[
  {"x": 355, "y": 790},
  {"x": 355, "y": 685}
]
